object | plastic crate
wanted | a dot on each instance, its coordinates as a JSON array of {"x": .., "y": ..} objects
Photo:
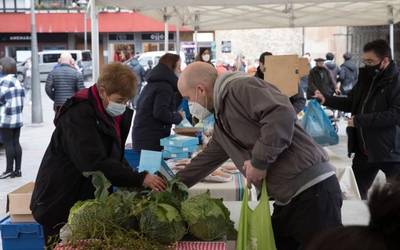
[
  {"x": 133, "y": 158},
  {"x": 21, "y": 235}
]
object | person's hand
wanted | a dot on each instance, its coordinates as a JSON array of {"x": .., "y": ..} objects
[
  {"x": 154, "y": 182},
  {"x": 337, "y": 91},
  {"x": 319, "y": 96},
  {"x": 253, "y": 175},
  {"x": 350, "y": 122}
]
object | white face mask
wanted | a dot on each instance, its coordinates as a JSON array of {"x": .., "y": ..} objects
[
  {"x": 197, "y": 110},
  {"x": 115, "y": 109},
  {"x": 206, "y": 58}
]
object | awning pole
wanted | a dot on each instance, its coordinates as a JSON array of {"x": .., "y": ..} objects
[
  {"x": 391, "y": 29},
  {"x": 95, "y": 40},
  {"x": 178, "y": 39}
]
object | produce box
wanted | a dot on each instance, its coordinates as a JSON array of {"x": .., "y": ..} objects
[
  {"x": 179, "y": 141},
  {"x": 177, "y": 150},
  {"x": 169, "y": 155},
  {"x": 21, "y": 236},
  {"x": 188, "y": 131},
  {"x": 18, "y": 202}
]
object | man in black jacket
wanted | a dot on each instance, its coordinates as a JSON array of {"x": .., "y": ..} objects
[
  {"x": 320, "y": 79},
  {"x": 298, "y": 101},
  {"x": 91, "y": 130},
  {"x": 374, "y": 131}
]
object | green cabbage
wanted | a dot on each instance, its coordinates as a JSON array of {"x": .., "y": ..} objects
[
  {"x": 162, "y": 223},
  {"x": 208, "y": 218}
]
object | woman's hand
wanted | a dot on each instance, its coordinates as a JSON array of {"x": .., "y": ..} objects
[{"x": 154, "y": 182}]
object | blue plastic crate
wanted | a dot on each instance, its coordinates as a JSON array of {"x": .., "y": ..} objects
[
  {"x": 21, "y": 235},
  {"x": 133, "y": 158}
]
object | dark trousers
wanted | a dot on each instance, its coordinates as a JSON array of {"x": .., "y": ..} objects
[
  {"x": 314, "y": 210},
  {"x": 365, "y": 172},
  {"x": 10, "y": 137}
]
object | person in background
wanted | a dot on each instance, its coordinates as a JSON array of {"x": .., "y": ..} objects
[
  {"x": 382, "y": 232},
  {"x": 374, "y": 128},
  {"x": 90, "y": 135},
  {"x": 138, "y": 70},
  {"x": 157, "y": 108},
  {"x": 320, "y": 79},
  {"x": 28, "y": 79},
  {"x": 257, "y": 128},
  {"x": 11, "y": 106},
  {"x": 333, "y": 69},
  {"x": 63, "y": 82},
  {"x": 204, "y": 56},
  {"x": 347, "y": 75},
  {"x": 220, "y": 67},
  {"x": 298, "y": 101},
  {"x": 150, "y": 67},
  {"x": 251, "y": 69}
]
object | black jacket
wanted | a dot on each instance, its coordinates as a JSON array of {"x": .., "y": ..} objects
[
  {"x": 85, "y": 139},
  {"x": 347, "y": 76},
  {"x": 375, "y": 103},
  {"x": 156, "y": 109},
  {"x": 320, "y": 79},
  {"x": 298, "y": 101}
]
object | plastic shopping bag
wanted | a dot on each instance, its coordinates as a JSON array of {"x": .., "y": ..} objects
[
  {"x": 317, "y": 124},
  {"x": 255, "y": 226}
]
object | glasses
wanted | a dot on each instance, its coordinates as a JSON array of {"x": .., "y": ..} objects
[{"x": 370, "y": 62}]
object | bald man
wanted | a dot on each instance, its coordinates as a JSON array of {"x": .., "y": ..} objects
[{"x": 256, "y": 127}]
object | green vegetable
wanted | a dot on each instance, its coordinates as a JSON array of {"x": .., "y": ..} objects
[
  {"x": 162, "y": 223},
  {"x": 208, "y": 218},
  {"x": 175, "y": 193}
]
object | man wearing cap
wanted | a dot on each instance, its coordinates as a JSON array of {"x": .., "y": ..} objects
[{"x": 320, "y": 79}]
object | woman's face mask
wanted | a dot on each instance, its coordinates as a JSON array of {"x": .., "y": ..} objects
[
  {"x": 114, "y": 104},
  {"x": 206, "y": 57}
]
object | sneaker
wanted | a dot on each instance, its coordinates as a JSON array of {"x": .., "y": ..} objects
[
  {"x": 16, "y": 174},
  {"x": 6, "y": 175}
]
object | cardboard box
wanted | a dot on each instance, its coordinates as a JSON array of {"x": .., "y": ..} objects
[
  {"x": 18, "y": 203},
  {"x": 170, "y": 155},
  {"x": 177, "y": 150},
  {"x": 283, "y": 72},
  {"x": 304, "y": 67}
]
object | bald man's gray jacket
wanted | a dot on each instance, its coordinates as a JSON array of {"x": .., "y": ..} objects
[{"x": 256, "y": 122}]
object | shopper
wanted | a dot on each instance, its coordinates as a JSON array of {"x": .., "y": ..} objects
[
  {"x": 298, "y": 100},
  {"x": 11, "y": 106},
  {"x": 157, "y": 108},
  {"x": 374, "y": 103},
  {"x": 90, "y": 135},
  {"x": 256, "y": 127},
  {"x": 347, "y": 75},
  {"x": 63, "y": 82},
  {"x": 320, "y": 79},
  {"x": 204, "y": 56}
]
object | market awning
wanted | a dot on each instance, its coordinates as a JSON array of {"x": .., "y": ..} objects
[{"x": 247, "y": 14}]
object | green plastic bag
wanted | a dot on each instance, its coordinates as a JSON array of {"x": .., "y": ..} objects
[{"x": 255, "y": 226}]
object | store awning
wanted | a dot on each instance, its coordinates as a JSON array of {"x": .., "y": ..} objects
[{"x": 74, "y": 23}]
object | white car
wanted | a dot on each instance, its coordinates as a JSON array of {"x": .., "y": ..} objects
[
  {"x": 48, "y": 59},
  {"x": 155, "y": 56}
]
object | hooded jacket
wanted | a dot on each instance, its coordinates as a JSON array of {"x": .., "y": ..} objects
[
  {"x": 85, "y": 139},
  {"x": 347, "y": 76},
  {"x": 156, "y": 109},
  {"x": 254, "y": 121}
]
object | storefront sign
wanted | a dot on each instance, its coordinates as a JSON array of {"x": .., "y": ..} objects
[
  {"x": 156, "y": 36},
  {"x": 226, "y": 46},
  {"x": 121, "y": 37}
]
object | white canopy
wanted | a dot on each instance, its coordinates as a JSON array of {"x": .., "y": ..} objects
[
  {"x": 246, "y": 14},
  {"x": 210, "y": 15}
]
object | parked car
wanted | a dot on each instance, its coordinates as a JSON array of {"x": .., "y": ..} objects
[
  {"x": 154, "y": 57},
  {"x": 21, "y": 71},
  {"x": 49, "y": 59}
]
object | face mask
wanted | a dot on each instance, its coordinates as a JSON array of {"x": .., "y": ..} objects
[
  {"x": 115, "y": 109},
  {"x": 373, "y": 70},
  {"x": 206, "y": 58},
  {"x": 197, "y": 110}
]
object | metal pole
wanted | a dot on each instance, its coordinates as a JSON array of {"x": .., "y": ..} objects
[
  {"x": 391, "y": 29},
  {"x": 166, "y": 33},
  {"x": 95, "y": 40},
  {"x": 178, "y": 38},
  {"x": 37, "y": 115},
  {"x": 85, "y": 29}
]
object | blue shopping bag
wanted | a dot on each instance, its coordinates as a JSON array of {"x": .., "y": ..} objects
[{"x": 317, "y": 124}]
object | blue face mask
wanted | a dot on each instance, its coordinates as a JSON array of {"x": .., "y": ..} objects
[{"x": 115, "y": 109}]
